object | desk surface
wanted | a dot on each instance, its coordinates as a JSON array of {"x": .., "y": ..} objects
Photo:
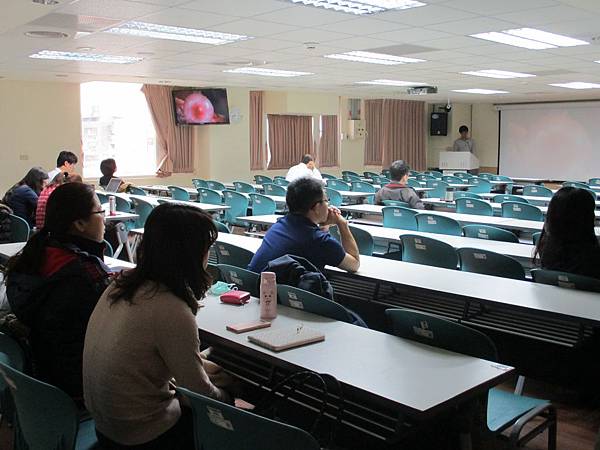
[
  {"x": 390, "y": 368},
  {"x": 164, "y": 188},
  {"x": 155, "y": 201}
]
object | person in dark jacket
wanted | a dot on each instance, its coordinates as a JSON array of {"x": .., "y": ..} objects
[
  {"x": 54, "y": 283},
  {"x": 398, "y": 189},
  {"x": 5, "y": 229},
  {"x": 568, "y": 242},
  {"x": 22, "y": 198}
]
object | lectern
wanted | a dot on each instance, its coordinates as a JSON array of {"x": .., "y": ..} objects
[{"x": 458, "y": 161}]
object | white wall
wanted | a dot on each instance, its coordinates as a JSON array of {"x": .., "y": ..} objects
[{"x": 485, "y": 134}]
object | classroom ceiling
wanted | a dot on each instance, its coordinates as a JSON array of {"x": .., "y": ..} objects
[{"x": 437, "y": 33}]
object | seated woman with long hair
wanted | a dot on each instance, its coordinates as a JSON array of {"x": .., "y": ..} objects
[
  {"x": 143, "y": 334},
  {"x": 22, "y": 198},
  {"x": 53, "y": 284},
  {"x": 568, "y": 242}
]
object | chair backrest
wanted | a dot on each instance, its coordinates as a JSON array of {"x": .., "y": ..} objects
[
  {"x": 375, "y": 179},
  {"x": 232, "y": 254},
  {"x": 386, "y": 173},
  {"x": 566, "y": 280},
  {"x": 280, "y": 181},
  {"x": 47, "y": 417},
  {"x": 466, "y": 194},
  {"x": 221, "y": 426},
  {"x": 425, "y": 177},
  {"x": 517, "y": 210},
  {"x": 122, "y": 205},
  {"x": 312, "y": 303},
  {"x": 399, "y": 217},
  {"x": 431, "y": 252},
  {"x": 108, "y": 250},
  {"x": 338, "y": 185},
  {"x": 328, "y": 176},
  {"x": 464, "y": 175},
  {"x": 479, "y": 185},
  {"x": 243, "y": 187},
  {"x": 262, "y": 205},
  {"x": 576, "y": 184},
  {"x": 396, "y": 203},
  {"x": 335, "y": 198},
  {"x": 413, "y": 183},
  {"x": 143, "y": 209},
  {"x": 215, "y": 185},
  {"x": 509, "y": 182},
  {"x": 14, "y": 355},
  {"x": 199, "y": 183},
  {"x": 501, "y": 198},
  {"x": 349, "y": 172},
  {"x": 537, "y": 191},
  {"x": 384, "y": 180},
  {"x": 439, "y": 188},
  {"x": 102, "y": 198},
  {"x": 434, "y": 173},
  {"x": 359, "y": 186},
  {"x": 594, "y": 182},
  {"x": 370, "y": 174},
  {"x": 434, "y": 223},
  {"x": 137, "y": 191},
  {"x": 441, "y": 333},
  {"x": 238, "y": 205},
  {"x": 363, "y": 239},
  {"x": 209, "y": 196},
  {"x": 489, "y": 263},
  {"x": 473, "y": 206},
  {"x": 487, "y": 175},
  {"x": 262, "y": 179},
  {"x": 536, "y": 237},
  {"x": 274, "y": 189},
  {"x": 19, "y": 229},
  {"x": 221, "y": 227},
  {"x": 178, "y": 193},
  {"x": 244, "y": 279},
  {"x": 490, "y": 232},
  {"x": 452, "y": 179},
  {"x": 351, "y": 178}
]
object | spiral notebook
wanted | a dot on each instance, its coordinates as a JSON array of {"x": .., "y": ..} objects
[{"x": 286, "y": 338}]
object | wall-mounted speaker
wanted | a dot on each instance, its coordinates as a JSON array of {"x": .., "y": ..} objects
[{"x": 438, "y": 124}]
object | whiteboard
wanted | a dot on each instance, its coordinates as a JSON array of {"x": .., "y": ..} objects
[{"x": 559, "y": 141}]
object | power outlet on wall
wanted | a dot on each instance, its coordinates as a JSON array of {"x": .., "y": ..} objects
[{"x": 24, "y": 157}]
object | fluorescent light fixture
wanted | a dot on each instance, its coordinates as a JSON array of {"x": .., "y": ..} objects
[
  {"x": 479, "y": 91},
  {"x": 391, "y": 83},
  {"x": 576, "y": 85},
  {"x": 373, "y": 58},
  {"x": 87, "y": 57},
  {"x": 360, "y": 7},
  {"x": 530, "y": 38},
  {"x": 267, "y": 72},
  {"x": 493, "y": 73},
  {"x": 152, "y": 30}
]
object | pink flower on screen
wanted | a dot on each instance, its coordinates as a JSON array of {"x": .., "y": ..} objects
[{"x": 198, "y": 109}]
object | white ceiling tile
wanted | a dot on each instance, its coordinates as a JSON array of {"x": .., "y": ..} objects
[
  {"x": 488, "y": 8},
  {"x": 474, "y": 25},
  {"x": 412, "y": 35},
  {"x": 257, "y": 28},
  {"x": 303, "y": 16},
  {"x": 544, "y": 16},
  {"x": 237, "y": 7},
  {"x": 309, "y": 35},
  {"x": 114, "y": 9},
  {"x": 178, "y": 17},
  {"x": 360, "y": 43},
  {"x": 264, "y": 44},
  {"x": 425, "y": 15},
  {"x": 362, "y": 26}
]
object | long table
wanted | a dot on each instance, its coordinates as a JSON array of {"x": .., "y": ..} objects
[{"x": 208, "y": 207}]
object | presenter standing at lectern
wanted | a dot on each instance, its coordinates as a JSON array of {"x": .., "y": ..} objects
[{"x": 464, "y": 143}]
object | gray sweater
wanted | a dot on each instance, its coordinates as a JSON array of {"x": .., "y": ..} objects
[{"x": 400, "y": 192}]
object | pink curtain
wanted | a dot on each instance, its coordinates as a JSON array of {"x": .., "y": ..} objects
[
  {"x": 258, "y": 156},
  {"x": 329, "y": 143},
  {"x": 174, "y": 144},
  {"x": 374, "y": 132},
  {"x": 290, "y": 138},
  {"x": 404, "y": 133}
]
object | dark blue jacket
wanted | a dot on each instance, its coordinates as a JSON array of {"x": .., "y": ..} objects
[{"x": 23, "y": 201}]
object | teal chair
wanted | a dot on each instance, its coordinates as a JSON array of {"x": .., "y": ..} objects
[
  {"x": 501, "y": 198},
  {"x": 473, "y": 206},
  {"x": 384, "y": 180},
  {"x": 464, "y": 175},
  {"x": 487, "y": 175},
  {"x": 221, "y": 426},
  {"x": 209, "y": 196},
  {"x": 244, "y": 188},
  {"x": 122, "y": 205},
  {"x": 479, "y": 185},
  {"x": 137, "y": 191},
  {"x": 566, "y": 280},
  {"x": 338, "y": 185},
  {"x": 178, "y": 193},
  {"x": 328, "y": 176},
  {"x": 434, "y": 173},
  {"x": 351, "y": 178},
  {"x": 199, "y": 183},
  {"x": 509, "y": 182},
  {"x": 427, "y": 251},
  {"x": 425, "y": 177},
  {"x": 451, "y": 179},
  {"x": 395, "y": 203},
  {"x": 537, "y": 191},
  {"x": 413, "y": 183},
  {"x": 47, "y": 418},
  {"x": 466, "y": 194},
  {"x": 215, "y": 185},
  {"x": 349, "y": 172},
  {"x": 280, "y": 181},
  {"x": 413, "y": 173},
  {"x": 221, "y": 227},
  {"x": 363, "y": 239},
  {"x": 370, "y": 175},
  {"x": 312, "y": 303},
  {"x": 262, "y": 205},
  {"x": 386, "y": 173},
  {"x": 594, "y": 182},
  {"x": 273, "y": 189},
  {"x": 232, "y": 254},
  {"x": 576, "y": 184},
  {"x": 434, "y": 223},
  {"x": 399, "y": 217},
  {"x": 19, "y": 229},
  {"x": 143, "y": 209},
  {"x": 360, "y": 186},
  {"x": 108, "y": 250},
  {"x": 243, "y": 278},
  {"x": 489, "y": 263},
  {"x": 102, "y": 198},
  {"x": 335, "y": 198},
  {"x": 439, "y": 188},
  {"x": 506, "y": 411},
  {"x": 238, "y": 206},
  {"x": 489, "y": 232},
  {"x": 12, "y": 354},
  {"x": 375, "y": 179},
  {"x": 536, "y": 237},
  {"x": 516, "y": 210},
  {"x": 262, "y": 179}
]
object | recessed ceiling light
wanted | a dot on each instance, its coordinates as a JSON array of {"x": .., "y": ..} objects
[
  {"x": 576, "y": 85},
  {"x": 493, "y": 73},
  {"x": 267, "y": 72},
  {"x": 152, "y": 30},
  {"x": 360, "y": 7},
  {"x": 46, "y": 34},
  {"x": 373, "y": 58},
  {"x": 529, "y": 38},
  {"x": 88, "y": 57},
  {"x": 479, "y": 91},
  {"x": 391, "y": 83}
]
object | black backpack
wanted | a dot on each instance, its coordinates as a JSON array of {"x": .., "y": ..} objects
[{"x": 299, "y": 272}]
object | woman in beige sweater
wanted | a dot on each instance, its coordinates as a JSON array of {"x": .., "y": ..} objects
[{"x": 143, "y": 334}]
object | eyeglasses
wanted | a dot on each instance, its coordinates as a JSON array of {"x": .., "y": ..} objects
[
  {"x": 103, "y": 212},
  {"x": 325, "y": 200}
]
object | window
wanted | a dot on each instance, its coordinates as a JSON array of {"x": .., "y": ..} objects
[{"x": 116, "y": 123}]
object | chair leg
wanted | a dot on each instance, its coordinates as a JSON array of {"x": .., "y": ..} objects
[{"x": 549, "y": 423}]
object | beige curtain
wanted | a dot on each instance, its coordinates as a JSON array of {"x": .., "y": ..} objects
[
  {"x": 329, "y": 143},
  {"x": 174, "y": 144},
  {"x": 258, "y": 156},
  {"x": 290, "y": 138},
  {"x": 404, "y": 133},
  {"x": 374, "y": 132}
]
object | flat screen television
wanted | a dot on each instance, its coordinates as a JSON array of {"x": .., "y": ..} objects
[{"x": 200, "y": 106}]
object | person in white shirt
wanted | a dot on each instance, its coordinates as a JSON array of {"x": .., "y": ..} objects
[
  {"x": 306, "y": 168},
  {"x": 64, "y": 163}
]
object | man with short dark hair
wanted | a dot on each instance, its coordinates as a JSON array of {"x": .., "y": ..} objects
[
  {"x": 397, "y": 189},
  {"x": 464, "y": 143},
  {"x": 65, "y": 162},
  {"x": 299, "y": 233},
  {"x": 306, "y": 168}
]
